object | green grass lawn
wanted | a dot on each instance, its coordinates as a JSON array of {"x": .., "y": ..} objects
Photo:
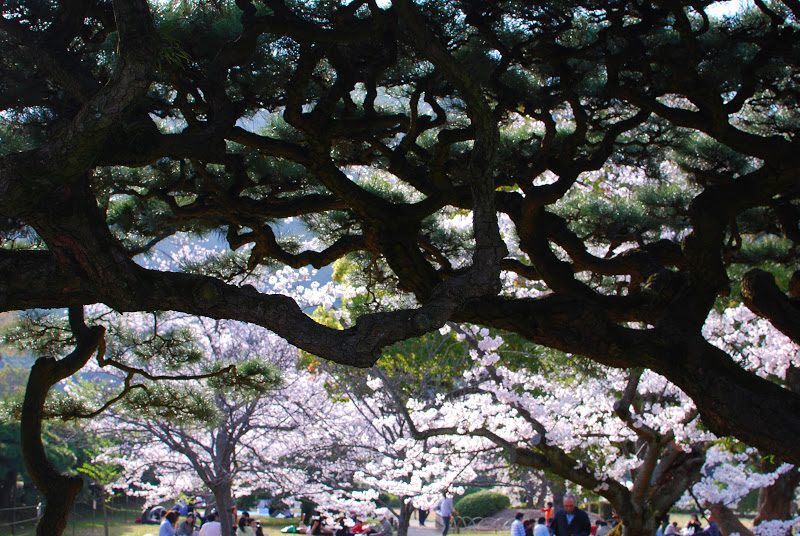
[
  {"x": 122, "y": 524},
  {"x": 119, "y": 525},
  {"x": 683, "y": 519}
]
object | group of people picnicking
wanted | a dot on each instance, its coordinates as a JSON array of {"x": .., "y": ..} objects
[
  {"x": 343, "y": 525},
  {"x": 693, "y": 527},
  {"x": 195, "y": 524}
]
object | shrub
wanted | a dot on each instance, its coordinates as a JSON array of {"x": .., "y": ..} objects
[{"x": 482, "y": 504}]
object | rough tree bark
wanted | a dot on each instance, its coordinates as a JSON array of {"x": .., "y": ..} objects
[
  {"x": 224, "y": 498},
  {"x": 776, "y": 501},
  {"x": 642, "y": 524},
  {"x": 727, "y": 521},
  {"x": 59, "y": 490},
  {"x": 558, "y": 489},
  {"x": 404, "y": 517}
]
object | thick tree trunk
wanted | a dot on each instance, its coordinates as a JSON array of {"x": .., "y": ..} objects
[
  {"x": 727, "y": 521},
  {"x": 775, "y": 501},
  {"x": 222, "y": 494},
  {"x": 640, "y": 524},
  {"x": 541, "y": 497},
  {"x": 404, "y": 517},
  {"x": 558, "y": 488}
]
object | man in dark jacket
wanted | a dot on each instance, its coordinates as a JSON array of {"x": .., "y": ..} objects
[{"x": 571, "y": 521}]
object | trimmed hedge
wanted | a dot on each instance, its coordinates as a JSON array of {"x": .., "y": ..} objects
[{"x": 482, "y": 504}]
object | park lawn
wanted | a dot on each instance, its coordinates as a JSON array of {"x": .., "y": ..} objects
[
  {"x": 683, "y": 519},
  {"x": 272, "y": 522},
  {"x": 133, "y": 529},
  {"x": 89, "y": 527}
]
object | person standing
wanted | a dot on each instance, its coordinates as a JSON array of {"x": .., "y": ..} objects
[
  {"x": 517, "y": 526},
  {"x": 571, "y": 521},
  {"x": 548, "y": 513},
  {"x": 446, "y": 511},
  {"x": 423, "y": 515}
]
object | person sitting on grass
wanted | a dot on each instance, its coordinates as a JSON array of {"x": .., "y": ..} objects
[
  {"x": 187, "y": 527},
  {"x": 246, "y": 526},
  {"x": 167, "y": 527},
  {"x": 385, "y": 528},
  {"x": 211, "y": 527}
]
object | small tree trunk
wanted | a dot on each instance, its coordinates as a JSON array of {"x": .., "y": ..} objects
[
  {"x": 404, "y": 517},
  {"x": 7, "y": 486},
  {"x": 13, "y": 511},
  {"x": 59, "y": 490},
  {"x": 105, "y": 513}
]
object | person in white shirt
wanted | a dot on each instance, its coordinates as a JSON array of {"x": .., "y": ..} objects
[
  {"x": 541, "y": 528},
  {"x": 211, "y": 527}
]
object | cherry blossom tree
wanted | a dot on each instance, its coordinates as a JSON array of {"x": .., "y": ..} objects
[
  {"x": 395, "y": 462},
  {"x": 151, "y": 363},
  {"x": 733, "y": 470},
  {"x": 629, "y": 436},
  {"x": 244, "y": 439}
]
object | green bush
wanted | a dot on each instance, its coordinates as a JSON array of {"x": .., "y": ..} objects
[{"x": 482, "y": 504}]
